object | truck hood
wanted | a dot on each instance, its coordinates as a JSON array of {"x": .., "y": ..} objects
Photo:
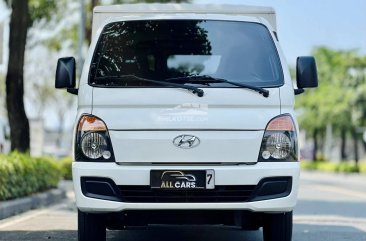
[
  {"x": 178, "y": 109},
  {"x": 144, "y": 124}
]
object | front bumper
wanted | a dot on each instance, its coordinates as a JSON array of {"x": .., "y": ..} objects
[{"x": 224, "y": 175}]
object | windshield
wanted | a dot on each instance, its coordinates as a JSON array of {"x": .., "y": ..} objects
[{"x": 241, "y": 52}]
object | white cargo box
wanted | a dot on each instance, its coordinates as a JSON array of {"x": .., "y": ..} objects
[{"x": 102, "y": 13}]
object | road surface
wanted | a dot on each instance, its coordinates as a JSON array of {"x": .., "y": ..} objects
[{"x": 330, "y": 208}]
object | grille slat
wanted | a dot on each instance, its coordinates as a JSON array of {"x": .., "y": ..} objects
[{"x": 144, "y": 194}]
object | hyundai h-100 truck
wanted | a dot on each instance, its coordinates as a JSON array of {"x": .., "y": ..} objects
[{"x": 185, "y": 117}]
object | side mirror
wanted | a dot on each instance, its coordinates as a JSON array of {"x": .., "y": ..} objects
[
  {"x": 306, "y": 74},
  {"x": 65, "y": 74}
]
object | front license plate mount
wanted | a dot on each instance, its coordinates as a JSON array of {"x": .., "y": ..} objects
[{"x": 182, "y": 179}]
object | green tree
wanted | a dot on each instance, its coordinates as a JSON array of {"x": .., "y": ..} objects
[
  {"x": 19, "y": 125},
  {"x": 24, "y": 14},
  {"x": 339, "y": 101}
]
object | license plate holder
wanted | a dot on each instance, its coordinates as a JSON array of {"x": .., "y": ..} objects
[{"x": 182, "y": 179}]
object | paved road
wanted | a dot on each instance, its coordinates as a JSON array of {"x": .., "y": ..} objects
[{"x": 330, "y": 208}]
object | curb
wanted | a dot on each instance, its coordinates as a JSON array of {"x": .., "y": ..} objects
[{"x": 20, "y": 205}]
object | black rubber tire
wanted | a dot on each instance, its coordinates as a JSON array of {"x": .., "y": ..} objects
[
  {"x": 277, "y": 227},
  {"x": 91, "y": 227}
]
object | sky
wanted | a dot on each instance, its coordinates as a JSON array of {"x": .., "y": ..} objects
[{"x": 304, "y": 24}]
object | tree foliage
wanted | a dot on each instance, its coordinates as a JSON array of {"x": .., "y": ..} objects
[
  {"x": 340, "y": 98},
  {"x": 41, "y": 9}
]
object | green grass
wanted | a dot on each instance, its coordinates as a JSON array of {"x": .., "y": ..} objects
[{"x": 343, "y": 167}]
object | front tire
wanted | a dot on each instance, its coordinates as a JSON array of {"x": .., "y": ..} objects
[
  {"x": 277, "y": 227},
  {"x": 91, "y": 227}
]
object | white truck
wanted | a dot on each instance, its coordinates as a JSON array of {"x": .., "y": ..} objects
[{"x": 185, "y": 116}]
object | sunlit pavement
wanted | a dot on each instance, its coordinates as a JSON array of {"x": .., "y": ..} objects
[{"x": 331, "y": 207}]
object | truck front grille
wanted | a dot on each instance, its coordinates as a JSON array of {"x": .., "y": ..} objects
[{"x": 144, "y": 194}]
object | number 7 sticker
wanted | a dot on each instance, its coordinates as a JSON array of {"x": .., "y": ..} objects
[{"x": 210, "y": 179}]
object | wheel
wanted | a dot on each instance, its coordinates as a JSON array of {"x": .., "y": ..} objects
[
  {"x": 91, "y": 227},
  {"x": 277, "y": 227}
]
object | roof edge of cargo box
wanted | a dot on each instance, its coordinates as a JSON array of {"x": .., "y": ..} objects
[
  {"x": 184, "y": 8},
  {"x": 101, "y": 13}
]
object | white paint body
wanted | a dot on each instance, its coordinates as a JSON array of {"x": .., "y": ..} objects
[{"x": 142, "y": 123}]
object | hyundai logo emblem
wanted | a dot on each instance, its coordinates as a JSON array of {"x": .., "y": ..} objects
[{"x": 186, "y": 141}]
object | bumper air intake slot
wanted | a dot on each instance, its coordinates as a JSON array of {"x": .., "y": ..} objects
[{"x": 106, "y": 189}]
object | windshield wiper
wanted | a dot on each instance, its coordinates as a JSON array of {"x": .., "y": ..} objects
[
  {"x": 210, "y": 79},
  {"x": 194, "y": 90}
]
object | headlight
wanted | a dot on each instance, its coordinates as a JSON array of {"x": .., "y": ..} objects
[
  {"x": 279, "y": 141},
  {"x": 92, "y": 140},
  {"x": 93, "y": 145}
]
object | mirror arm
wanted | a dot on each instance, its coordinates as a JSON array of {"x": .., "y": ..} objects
[
  {"x": 73, "y": 91},
  {"x": 298, "y": 91}
]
